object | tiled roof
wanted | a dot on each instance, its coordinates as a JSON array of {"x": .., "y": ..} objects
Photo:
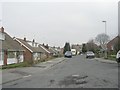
[
  {"x": 114, "y": 40},
  {"x": 9, "y": 44},
  {"x": 51, "y": 50},
  {"x": 47, "y": 50},
  {"x": 32, "y": 49}
]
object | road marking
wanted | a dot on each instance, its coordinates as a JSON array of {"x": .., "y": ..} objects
[
  {"x": 27, "y": 76},
  {"x": 75, "y": 75}
]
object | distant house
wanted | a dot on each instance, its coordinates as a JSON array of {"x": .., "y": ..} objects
[
  {"x": 33, "y": 50},
  {"x": 55, "y": 50},
  {"x": 61, "y": 51},
  {"x": 52, "y": 51},
  {"x": 77, "y": 47},
  {"x": 92, "y": 46},
  {"x": 111, "y": 43},
  {"x": 10, "y": 51},
  {"x": 48, "y": 52}
]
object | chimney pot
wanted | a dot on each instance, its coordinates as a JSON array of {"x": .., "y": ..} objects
[
  {"x": 24, "y": 38},
  {"x": 33, "y": 40},
  {"x": 2, "y": 29}
]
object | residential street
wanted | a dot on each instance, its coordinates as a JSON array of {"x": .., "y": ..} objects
[{"x": 75, "y": 72}]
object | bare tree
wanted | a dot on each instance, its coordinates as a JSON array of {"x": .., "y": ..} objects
[{"x": 102, "y": 38}]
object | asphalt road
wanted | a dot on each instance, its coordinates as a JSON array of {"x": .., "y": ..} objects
[{"x": 76, "y": 72}]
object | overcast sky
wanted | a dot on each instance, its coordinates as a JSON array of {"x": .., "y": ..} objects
[{"x": 55, "y": 23}]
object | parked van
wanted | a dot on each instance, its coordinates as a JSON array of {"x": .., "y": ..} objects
[{"x": 73, "y": 52}]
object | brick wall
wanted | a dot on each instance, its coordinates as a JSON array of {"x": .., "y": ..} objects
[
  {"x": 112, "y": 43},
  {"x": 28, "y": 55}
]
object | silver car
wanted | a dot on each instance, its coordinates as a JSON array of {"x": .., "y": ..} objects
[
  {"x": 68, "y": 54},
  {"x": 90, "y": 54}
]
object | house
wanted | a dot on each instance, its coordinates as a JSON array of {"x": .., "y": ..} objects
[
  {"x": 10, "y": 51},
  {"x": 55, "y": 50},
  {"x": 111, "y": 44},
  {"x": 61, "y": 51},
  {"x": 91, "y": 46},
  {"x": 77, "y": 47},
  {"x": 33, "y": 50},
  {"x": 48, "y": 51}
]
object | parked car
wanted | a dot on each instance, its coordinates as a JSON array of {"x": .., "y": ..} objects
[
  {"x": 118, "y": 57},
  {"x": 90, "y": 54},
  {"x": 68, "y": 54}
]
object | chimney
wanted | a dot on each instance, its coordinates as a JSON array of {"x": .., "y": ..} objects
[
  {"x": 33, "y": 43},
  {"x": 24, "y": 38},
  {"x": 2, "y": 29},
  {"x": 33, "y": 40}
]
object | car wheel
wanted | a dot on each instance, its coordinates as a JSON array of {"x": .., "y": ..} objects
[{"x": 118, "y": 60}]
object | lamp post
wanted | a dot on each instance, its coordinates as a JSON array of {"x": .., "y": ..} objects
[
  {"x": 106, "y": 34},
  {"x": 105, "y": 26}
]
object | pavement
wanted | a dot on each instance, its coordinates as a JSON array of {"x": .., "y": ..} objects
[
  {"x": 9, "y": 75},
  {"x": 105, "y": 60}
]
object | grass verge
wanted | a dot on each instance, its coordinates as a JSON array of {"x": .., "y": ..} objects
[
  {"x": 23, "y": 64},
  {"x": 111, "y": 57}
]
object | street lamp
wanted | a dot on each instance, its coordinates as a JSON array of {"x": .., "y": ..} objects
[
  {"x": 105, "y": 26},
  {"x": 106, "y": 34}
]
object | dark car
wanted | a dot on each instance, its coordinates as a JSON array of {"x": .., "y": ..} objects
[
  {"x": 68, "y": 54},
  {"x": 90, "y": 54}
]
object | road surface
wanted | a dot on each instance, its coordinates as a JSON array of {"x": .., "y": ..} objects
[{"x": 75, "y": 72}]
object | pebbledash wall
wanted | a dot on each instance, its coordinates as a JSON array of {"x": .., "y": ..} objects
[{"x": 1, "y": 53}]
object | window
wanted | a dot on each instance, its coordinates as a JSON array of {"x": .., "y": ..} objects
[{"x": 11, "y": 54}]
